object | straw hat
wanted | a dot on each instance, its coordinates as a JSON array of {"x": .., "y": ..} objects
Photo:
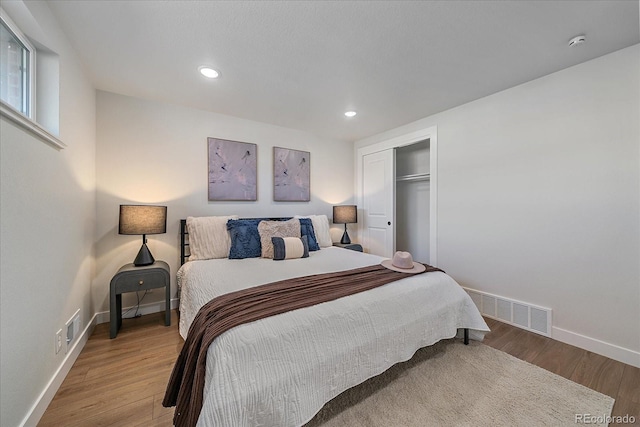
[{"x": 403, "y": 262}]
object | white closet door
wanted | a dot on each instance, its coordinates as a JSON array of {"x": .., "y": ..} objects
[{"x": 378, "y": 176}]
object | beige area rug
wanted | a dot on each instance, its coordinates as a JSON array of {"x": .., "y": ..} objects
[{"x": 450, "y": 384}]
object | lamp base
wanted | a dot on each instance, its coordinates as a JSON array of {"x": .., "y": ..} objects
[
  {"x": 345, "y": 237},
  {"x": 144, "y": 257}
]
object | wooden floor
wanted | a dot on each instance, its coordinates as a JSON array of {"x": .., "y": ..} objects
[{"x": 121, "y": 382}]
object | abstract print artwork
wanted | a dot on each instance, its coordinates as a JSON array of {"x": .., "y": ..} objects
[
  {"x": 291, "y": 175},
  {"x": 233, "y": 170}
]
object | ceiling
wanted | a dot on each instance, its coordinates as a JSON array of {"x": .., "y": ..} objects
[{"x": 303, "y": 64}]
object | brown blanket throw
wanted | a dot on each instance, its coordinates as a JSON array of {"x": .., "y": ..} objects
[{"x": 186, "y": 385}]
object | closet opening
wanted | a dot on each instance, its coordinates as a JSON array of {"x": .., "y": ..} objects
[
  {"x": 412, "y": 200},
  {"x": 397, "y": 195}
]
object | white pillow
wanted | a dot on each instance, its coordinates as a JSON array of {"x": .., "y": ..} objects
[
  {"x": 208, "y": 237},
  {"x": 321, "y": 228}
]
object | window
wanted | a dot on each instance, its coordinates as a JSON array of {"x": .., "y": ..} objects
[
  {"x": 17, "y": 60},
  {"x": 19, "y": 77}
]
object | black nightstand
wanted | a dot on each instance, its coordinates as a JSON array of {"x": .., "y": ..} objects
[
  {"x": 352, "y": 246},
  {"x": 131, "y": 279}
]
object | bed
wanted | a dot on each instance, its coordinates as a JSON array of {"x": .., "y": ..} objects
[{"x": 281, "y": 370}]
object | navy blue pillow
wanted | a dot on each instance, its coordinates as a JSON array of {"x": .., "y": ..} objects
[
  {"x": 245, "y": 239},
  {"x": 306, "y": 229},
  {"x": 282, "y": 250}
]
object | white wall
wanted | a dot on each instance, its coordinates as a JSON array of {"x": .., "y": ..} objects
[
  {"x": 538, "y": 197},
  {"x": 47, "y": 232},
  {"x": 150, "y": 152}
]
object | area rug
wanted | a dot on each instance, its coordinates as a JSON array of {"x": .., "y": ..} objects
[{"x": 450, "y": 384}]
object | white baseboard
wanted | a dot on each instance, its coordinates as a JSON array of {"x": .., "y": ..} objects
[
  {"x": 150, "y": 308},
  {"x": 47, "y": 395},
  {"x": 45, "y": 398},
  {"x": 611, "y": 351}
]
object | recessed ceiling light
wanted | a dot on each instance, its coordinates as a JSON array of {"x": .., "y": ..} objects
[
  {"x": 208, "y": 72},
  {"x": 577, "y": 40},
  {"x": 350, "y": 113}
]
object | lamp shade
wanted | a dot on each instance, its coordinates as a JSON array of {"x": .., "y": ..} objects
[
  {"x": 345, "y": 214},
  {"x": 142, "y": 219}
]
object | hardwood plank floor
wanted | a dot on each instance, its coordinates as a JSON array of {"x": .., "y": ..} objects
[{"x": 121, "y": 382}]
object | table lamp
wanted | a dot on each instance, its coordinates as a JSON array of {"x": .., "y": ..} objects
[
  {"x": 345, "y": 214},
  {"x": 143, "y": 219}
]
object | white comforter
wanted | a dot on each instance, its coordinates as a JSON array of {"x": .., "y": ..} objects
[{"x": 281, "y": 370}]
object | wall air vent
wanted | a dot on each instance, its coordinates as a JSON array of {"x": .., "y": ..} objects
[
  {"x": 489, "y": 305},
  {"x": 73, "y": 330},
  {"x": 517, "y": 313}
]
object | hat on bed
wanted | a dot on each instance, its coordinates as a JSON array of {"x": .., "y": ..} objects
[{"x": 403, "y": 262}]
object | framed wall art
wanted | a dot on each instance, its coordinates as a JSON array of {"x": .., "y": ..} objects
[
  {"x": 291, "y": 175},
  {"x": 233, "y": 170}
]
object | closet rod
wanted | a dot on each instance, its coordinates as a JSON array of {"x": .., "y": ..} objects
[{"x": 414, "y": 177}]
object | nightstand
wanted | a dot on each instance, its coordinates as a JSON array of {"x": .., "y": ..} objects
[
  {"x": 352, "y": 246},
  {"x": 131, "y": 279}
]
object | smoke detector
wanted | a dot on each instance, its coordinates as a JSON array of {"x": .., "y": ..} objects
[{"x": 577, "y": 40}]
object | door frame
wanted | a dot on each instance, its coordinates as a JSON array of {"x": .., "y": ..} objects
[{"x": 430, "y": 133}]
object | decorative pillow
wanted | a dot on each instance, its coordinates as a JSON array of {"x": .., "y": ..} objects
[
  {"x": 208, "y": 237},
  {"x": 306, "y": 229},
  {"x": 321, "y": 229},
  {"x": 245, "y": 239},
  {"x": 290, "y": 247},
  {"x": 269, "y": 229}
]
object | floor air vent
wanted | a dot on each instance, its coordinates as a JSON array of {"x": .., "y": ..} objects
[{"x": 517, "y": 313}]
